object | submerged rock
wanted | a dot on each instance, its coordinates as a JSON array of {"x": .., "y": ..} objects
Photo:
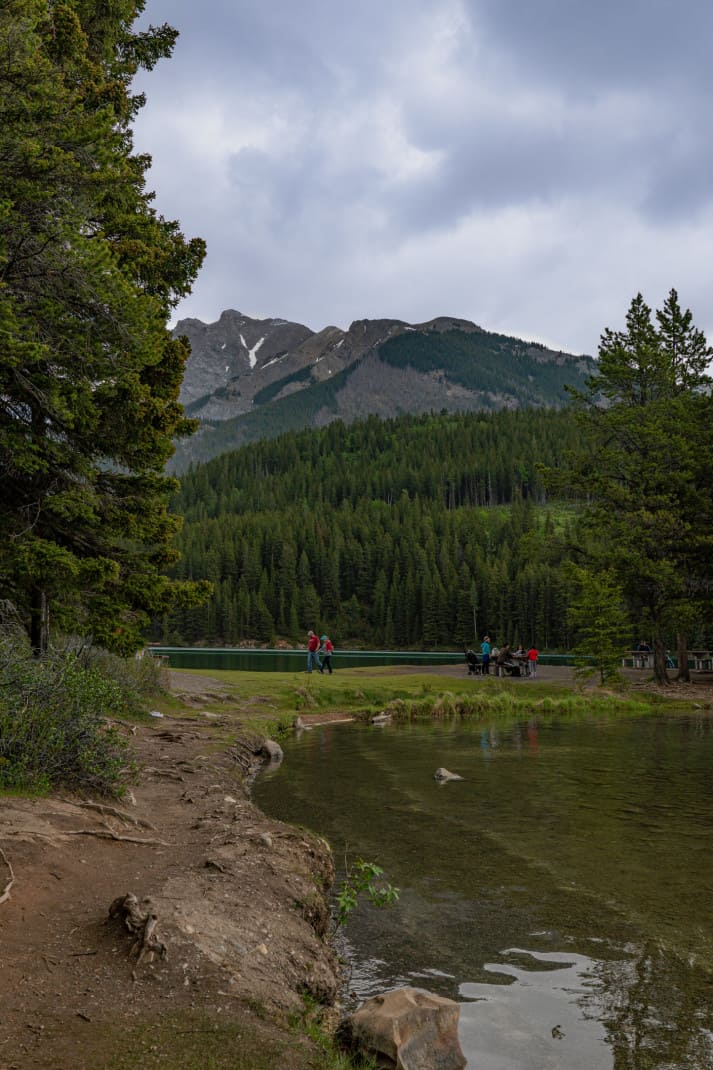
[
  {"x": 445, "y": 774},
  {"x": 381, "y": 718}
]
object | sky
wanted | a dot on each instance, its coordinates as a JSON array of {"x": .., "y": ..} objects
[{"x": 530, "y": 165}]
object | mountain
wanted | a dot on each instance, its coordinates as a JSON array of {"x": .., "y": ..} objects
[{"x": 248, "y": 379}]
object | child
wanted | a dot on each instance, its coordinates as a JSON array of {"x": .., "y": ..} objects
[{"x": 532, "y": 656}]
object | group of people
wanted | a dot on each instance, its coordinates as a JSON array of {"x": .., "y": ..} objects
[
  {"x": 319, "y": 652},
  {"x": 504, "y": 659}
]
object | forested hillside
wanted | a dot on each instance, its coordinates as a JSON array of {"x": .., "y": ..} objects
[{"x": 416, "y": 531}]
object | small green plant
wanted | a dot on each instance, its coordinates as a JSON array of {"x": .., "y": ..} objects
[
  {"x": 312, "y": 1022},
  {"x": 363, "y": 879}
]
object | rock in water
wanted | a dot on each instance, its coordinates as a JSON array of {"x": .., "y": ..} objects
[
  {"x": 445, "y": 774},
  {"x": 272, "y": 750},
  {"x": 417, "y": 1030}
]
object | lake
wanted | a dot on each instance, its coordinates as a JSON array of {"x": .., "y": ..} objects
[
  {"x": 251, "y": 659},
  {"x": 561, "y": 892}
]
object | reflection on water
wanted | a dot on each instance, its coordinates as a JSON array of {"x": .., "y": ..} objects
[
  {"x": 541, "y": 1018},
  {"x": 561, "y": 891}
]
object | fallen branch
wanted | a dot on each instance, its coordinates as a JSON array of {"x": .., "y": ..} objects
[
  {"x": 141, "y": 924},
  {"x": 6, "y": 892}
]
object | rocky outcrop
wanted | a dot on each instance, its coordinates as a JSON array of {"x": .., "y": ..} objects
[
  {"x": 247, "y": 379},
  {"x": 415, "y": 1030},
  {"x": 235, "y": 357}
]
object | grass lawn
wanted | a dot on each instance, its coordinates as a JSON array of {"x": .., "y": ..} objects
[{"x": 273, "y": 700}]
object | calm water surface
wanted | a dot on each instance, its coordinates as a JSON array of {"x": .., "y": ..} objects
[{"x": 561, "y": 892}]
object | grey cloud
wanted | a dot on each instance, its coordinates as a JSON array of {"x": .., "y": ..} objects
[
  {"x": 358, "y": 149},
  {"x": 311, "y": 47},
  {"x": 584, "y": 45}
]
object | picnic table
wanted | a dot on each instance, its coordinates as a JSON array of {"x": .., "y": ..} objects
[
  {"x": 702, "y": 660},
  {"x": 640, "y": 659}
]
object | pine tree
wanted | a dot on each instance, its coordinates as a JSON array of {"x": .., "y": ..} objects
[
  {"x": 646, "y": 418},
  {"x": 601, "y": 624},
  {"x": 89, "y": 374}
]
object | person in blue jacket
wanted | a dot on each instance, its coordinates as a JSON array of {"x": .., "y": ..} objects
[{"x": 485, "y": 654}]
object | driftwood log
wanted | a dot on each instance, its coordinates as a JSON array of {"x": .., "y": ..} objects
[{"x": 141, "y": 924}]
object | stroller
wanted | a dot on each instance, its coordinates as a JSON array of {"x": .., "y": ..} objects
[{"x": 474, "y": 666}]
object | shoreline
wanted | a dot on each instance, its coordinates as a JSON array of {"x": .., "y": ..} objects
[{"x": 241, "y": 900}]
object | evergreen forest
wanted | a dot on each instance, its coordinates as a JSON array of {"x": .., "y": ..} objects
[
  {"x": 582, "y": 528},
  {"x": 420, "y": 531}
]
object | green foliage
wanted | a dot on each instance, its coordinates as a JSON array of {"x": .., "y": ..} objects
[
  {"x": 426, "y": 530},
  {"x": 53, "y": 727},
  {"x": 311, "y": 1023},
  {"x": 140, "y": 680},
  {"x": 495, "y": 364},
  {"x": 89, "y": 374},
  {"x": 644, "y": 465},
  {"x": 598, "y": 616},
  {"x": 363, "y": 880}
]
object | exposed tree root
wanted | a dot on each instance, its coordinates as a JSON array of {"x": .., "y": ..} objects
[
  {"x": 107, "y": 834},
  {"x": 112, "y": 811},
  {"x": 6, "y": 892},
  {"x": 141, "y": 924},
  {"x": 151, "y": 771}
]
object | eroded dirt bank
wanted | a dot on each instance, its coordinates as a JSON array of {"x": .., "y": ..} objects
[{"x": 240, "y": 902}]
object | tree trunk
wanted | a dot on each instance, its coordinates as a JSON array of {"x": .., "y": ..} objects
[
  {"x": 39, "y": 623},
  {"x": 660, "y": 662},
  {"x": 684, "y": 675}
]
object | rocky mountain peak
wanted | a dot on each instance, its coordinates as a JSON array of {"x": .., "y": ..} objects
[{"x": 256, "y": 377}]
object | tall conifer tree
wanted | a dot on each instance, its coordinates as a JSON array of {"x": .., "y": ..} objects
[
  {"x": 89, "y": 374},
  {"x": 646, "y": 462}
]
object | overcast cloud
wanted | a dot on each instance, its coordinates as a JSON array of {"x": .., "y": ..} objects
[{"x": 526, "y": 164}]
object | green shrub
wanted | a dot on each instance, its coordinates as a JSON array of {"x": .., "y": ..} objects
[
  {"x": 53, "y": 727},
  {"x": 139, "y": 679}
]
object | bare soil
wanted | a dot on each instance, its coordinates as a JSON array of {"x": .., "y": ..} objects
[{"x": 240, "y": 901}]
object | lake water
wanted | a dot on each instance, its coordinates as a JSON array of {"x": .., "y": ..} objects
[{"x": 561, "y": 892}]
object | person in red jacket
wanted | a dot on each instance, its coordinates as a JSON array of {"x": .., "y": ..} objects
[
  {"x": 326, "y": 650},
  {"x": 313, "y": 651},
  {"x": 532, "y": 656}
]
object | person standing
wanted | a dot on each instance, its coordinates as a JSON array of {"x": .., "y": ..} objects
[
  {"x": 532, "y": 656},
  {"x": 485, "y": 654},
  {"x": 313, "y": 651},
  {"x": 326, "y": 650}
]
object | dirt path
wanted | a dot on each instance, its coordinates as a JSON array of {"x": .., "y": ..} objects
[{"x": 239, "y": 904}]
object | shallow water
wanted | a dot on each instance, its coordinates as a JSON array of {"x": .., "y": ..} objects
[{"x": 561, "y": 891}]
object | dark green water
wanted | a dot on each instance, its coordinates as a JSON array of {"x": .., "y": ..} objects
[
  {"x": 249, "y": 660},
  {"x": 562, "y": 891}
]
